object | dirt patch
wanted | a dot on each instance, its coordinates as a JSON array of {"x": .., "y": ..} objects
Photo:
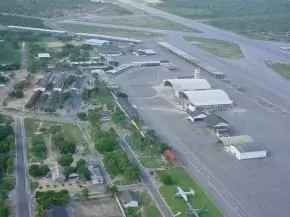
[
  {"x": 27, "y": 93},
  {"x": 96, "y": 208},
  {"x": 53, "y": 44}
]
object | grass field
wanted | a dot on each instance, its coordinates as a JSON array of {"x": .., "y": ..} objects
[
  {"x": 151, "y": 162},
  {"x": 281, "y": 68},
  {"x": 110, "y": 31},
  {"x": 149, "y": 22},
  {"x": 9, "y": 55},
  {"x": 220, "y": 48},
  {"x": 182, "y": 178}
]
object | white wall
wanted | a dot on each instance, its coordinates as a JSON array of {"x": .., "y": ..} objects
[{"x": 246, "y": 155}]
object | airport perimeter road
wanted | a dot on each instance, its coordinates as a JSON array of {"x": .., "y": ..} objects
[
  {"x": 22, "y": 197},
  {"x": 164, "y": 209}
]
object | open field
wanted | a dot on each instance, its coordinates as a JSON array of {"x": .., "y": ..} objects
[
  {"x": 281, "y": 68},
  {"x": 21, "y": 21},
  {"x": 110, "y": 31},
  {"x": 220, "y": 48},
  {"x": 105, "y": 207},
  {"x": 181, "y": 178},
  {"x": 148, "y": 22},
  {"x": 151, "y": 162},
  {"x": 256, "y": 19},
  {"x": 8, "y": 54}
]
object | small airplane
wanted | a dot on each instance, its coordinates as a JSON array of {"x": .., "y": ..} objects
[
  {"x": 195, "y": 212},
  {"x": 184, "y": 194}
]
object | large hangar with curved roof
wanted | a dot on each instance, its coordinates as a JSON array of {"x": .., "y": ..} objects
[
  {"x": 210, "y": 100},
  {"x": 186, "y": 84}
]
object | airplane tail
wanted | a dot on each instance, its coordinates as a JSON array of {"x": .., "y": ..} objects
[{"x": 192, "y": 191}]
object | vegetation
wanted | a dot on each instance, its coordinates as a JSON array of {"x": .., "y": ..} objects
[
  {"x": 166, "y": 179},
  {"x": 220, "y": 48},
  {"x": 36, "y": 170},
  {"x": 35, "y": 64},
  {"x": 112, "y": 190},
  {"x": 181, "y": 178},
  {"x": 38, "y": 147},
  {"x": 9, "y": 55},
  {"x": 281, "y": 68},
  {"x": 119, "y": 117},
  {"x": 65, "y": 160},
  {"x": 21, "y": 21},
  {"x": 82, "y": 170},
  {"x": 109, "y": 31},
  {"x": 82, "y": 116},
  {"x": 255, "y": 18},
  {"x": 44, "y": 199},
  {"x": 64, "y": 144},
  {"x": 7, "y": 150},
  {"x": 117, "y": 163}
]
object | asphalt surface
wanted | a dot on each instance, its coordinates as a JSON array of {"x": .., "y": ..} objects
[
  {"x": 240, "y": 188},
  {"x": 22, "y": 197},
  {"x": 147, "y": 181}
]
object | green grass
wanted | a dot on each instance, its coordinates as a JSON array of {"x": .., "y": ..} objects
[
  {"x": 149, "y": 22},
  {"x": 219, "y": 48},
  {"x": 281, "y": 68},
  {"x": 72, "y": 131},
  {"x": 110, "y": 31},
  {"x": 30, "y": 127},
  {"x": 151, "y": 162},
  {"x": 182, "y": 178},
  {"x": 8, "y": 54}
]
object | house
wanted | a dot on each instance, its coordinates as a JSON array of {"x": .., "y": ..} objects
[
  {"x": 43, "y": 55},
  {"x": 56, "y": 211},
  {"x": 128, "y": 199},
  {"x": 195, "y": 115},
  {"x": 96, "y": 174},
  {"x": 58, "y": 82},
  {"x": 171, "y": 156},
  {"x": 219, "y": 125},
  {"x": 96, "y": 42}
]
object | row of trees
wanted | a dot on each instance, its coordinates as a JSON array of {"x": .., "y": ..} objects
[
  {"x": 36, "y": 170},
  {"x": 7, "y": 151}
]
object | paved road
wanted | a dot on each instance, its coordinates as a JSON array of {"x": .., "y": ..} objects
[
  {"x": 147, "y": 181},
  {"x": 22, "y": 197}
]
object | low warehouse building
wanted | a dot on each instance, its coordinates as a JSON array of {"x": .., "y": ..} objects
[
  {"x": 220, "y": 126},
  {"x": 96, "y": 42},
  {"x": 186, "y": 84},
  {"x": 209, "y": 100},
  {"x": 243, "y": 147}
]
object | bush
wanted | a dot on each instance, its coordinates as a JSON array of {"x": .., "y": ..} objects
[
  {"x": 38, "y": 170},
  {"x": 65, "y": 160},
  {"x": 166, "y": 179}
]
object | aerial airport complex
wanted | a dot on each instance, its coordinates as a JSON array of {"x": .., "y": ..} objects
[{"x": 202, "y": 124}]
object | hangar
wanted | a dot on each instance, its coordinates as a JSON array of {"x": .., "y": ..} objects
[
  {"x": 243, "y": 147},
  {"x": 186, "y": 84},
  {"x": 209, "y": 100}
]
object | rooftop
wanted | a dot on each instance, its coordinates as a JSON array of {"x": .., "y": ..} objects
[
  {"x": 59, "y": 80},
  {"x": 208, "y": 97},
  {"x": 94, "y": 41},
  {"x": 126, "y": 196},
  {"x": 43, "y": 55},
  {"x": 216, "y": 121},
  {"x": 187, "y": 84},
  {"x": 243, "y": 143}
]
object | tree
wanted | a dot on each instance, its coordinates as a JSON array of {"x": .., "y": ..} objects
[
  {"x": 65, "y": 160},
  {"x": 84, "y": 173},
  {"x": 132, "y": 173},
  {"x": 166, "y": 179},
  {"x": 3, "y": 209},
  {"x": 85, "y": 193},
  {"x": 45, "y": 199},
  {"x": 81, "y": 163},
  {"x": 82, "y": 116},
  {"x": 36, "y": 170},
  {"x": 112, "y": 190},
  {"x": 106, "y": 143},
  {"x": 68, "y": 170}
]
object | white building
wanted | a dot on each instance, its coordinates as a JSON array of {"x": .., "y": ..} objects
[
  {"x": 96, "y": 42},
  {"x": 128, "y": 200},
  {"x": 243, "y": 147},
  {"x": 209, "y": 100},
  {"x": 43, "y": 55}
]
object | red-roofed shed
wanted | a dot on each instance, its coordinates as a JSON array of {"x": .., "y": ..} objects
[{"x": 171, "y": 156}]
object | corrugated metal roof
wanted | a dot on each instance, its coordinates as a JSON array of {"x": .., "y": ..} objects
[
  {"x": 236, "y": 140},
  {"x": 189, "y": 84},
  {"x": 208, "y": 97}
]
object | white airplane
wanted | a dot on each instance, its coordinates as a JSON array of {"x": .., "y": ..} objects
[{"x": 184, "y": 194}]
